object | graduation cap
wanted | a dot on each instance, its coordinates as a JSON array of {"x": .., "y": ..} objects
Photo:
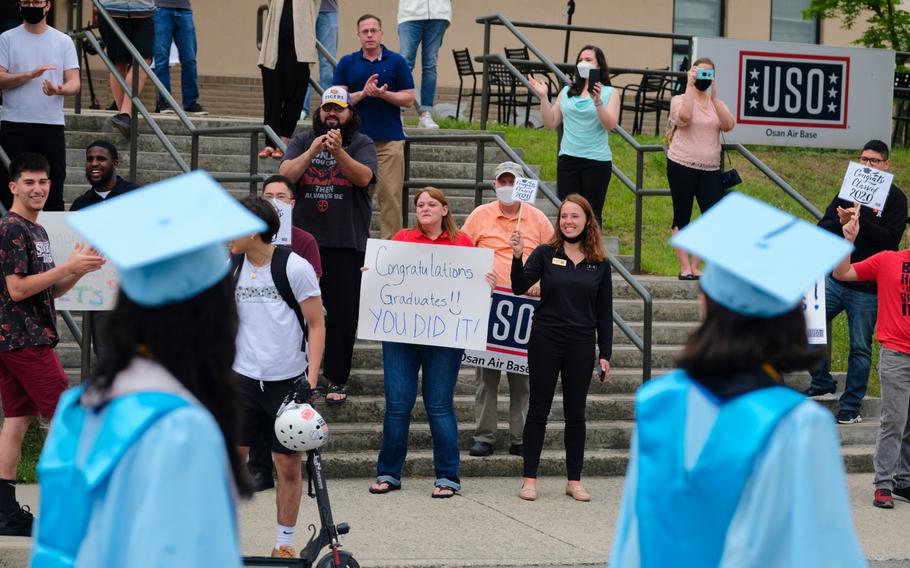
[
  {"x": 760, "y": 260},
  {"x": 168, "y": 239}
]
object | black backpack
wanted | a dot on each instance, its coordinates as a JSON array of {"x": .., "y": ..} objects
[{"x": 279, "y": 270}]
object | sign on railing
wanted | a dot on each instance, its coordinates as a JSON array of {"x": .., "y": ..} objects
[{"x": 508, "y": 334}]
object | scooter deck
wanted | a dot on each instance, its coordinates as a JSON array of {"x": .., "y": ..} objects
[{"x": 269, "y": 562}]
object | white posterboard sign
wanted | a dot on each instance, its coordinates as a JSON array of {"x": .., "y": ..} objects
[
  {"x": 524, "y": 189},
  {"x": 802, "y": 95},
  {"x": 508, "y": 334},
  {"x": 96, "y": 291},
  {"x": 814, "y": 308},
  {"x": 866, "y": 186},
  {"x": 425, "y": 294},
  {"x": 283, "y": 237}
]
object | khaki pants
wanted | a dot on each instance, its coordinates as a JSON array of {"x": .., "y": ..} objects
[
  {"x": 485, "y": 409},
  {"x": 389, "y": 185}
]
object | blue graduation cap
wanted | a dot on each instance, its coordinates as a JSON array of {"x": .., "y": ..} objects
[
  {"x": 168, "y": 239},
  {"x": 760, "y": 260}
]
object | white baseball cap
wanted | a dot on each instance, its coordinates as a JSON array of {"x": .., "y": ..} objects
[{"x": 336, "y": 95}]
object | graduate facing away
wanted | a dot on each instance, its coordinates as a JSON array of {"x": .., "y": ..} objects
[{"x": 728, "y": 467}]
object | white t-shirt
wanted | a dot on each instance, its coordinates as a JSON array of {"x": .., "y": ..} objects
[
  {"x": 269, "y": 335},
  {"x": 21, "y": 51}
]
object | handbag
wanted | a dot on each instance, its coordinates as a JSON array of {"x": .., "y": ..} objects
[{"x": 728, "y": 178}]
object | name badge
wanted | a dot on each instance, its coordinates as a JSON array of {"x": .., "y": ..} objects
[{"x": 559, "y": 262}]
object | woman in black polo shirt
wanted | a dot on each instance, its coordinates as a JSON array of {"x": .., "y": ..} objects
[{"x": 576, "y": 305}]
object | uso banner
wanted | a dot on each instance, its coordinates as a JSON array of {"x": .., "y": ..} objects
[
  {"x": 792, "y": 94},
  {"x": 507, "y": 335}
]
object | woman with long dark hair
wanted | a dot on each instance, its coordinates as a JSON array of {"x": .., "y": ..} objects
[
  {"x": 139, "y": 462},
  {"x": 575, "y": 314},
  {"x": 588, "y": 109},
  {"x": 728, "y": 467}
]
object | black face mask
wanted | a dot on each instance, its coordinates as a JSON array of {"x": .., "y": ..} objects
[
  {"x": 32, "y": 14},
  {"x": 702, "y": 84},
  {"x": 577, "y": 238}
]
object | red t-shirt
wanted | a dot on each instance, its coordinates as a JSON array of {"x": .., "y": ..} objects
[
  {"x": 891, "y": 271},
  {"x": 305, "y": 245},
  {"x": 415, "y": 236}
]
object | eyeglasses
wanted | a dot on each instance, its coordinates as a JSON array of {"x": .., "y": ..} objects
[
  {"x": 871, "y": 161},
  {"x": 370, "y": 31},
  {"x": 33, "y": 3}
]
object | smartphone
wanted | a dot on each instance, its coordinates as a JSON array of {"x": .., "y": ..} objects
[
  {"x": 704, "y": 73},
  {"x": 599, "y": 372}
]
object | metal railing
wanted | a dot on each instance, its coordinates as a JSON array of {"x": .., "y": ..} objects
[{"x": 479, "y": 184}]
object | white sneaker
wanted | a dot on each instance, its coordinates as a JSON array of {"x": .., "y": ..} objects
[{"x": 426, "y": 121}]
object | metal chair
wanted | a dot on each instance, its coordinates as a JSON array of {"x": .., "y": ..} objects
[
  {"x": 466, "y": 69},
  {"x": 901, "y": 131},
  {"x": 646, "y": 92}
]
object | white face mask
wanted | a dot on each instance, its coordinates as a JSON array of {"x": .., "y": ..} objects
[
  {"x": 584, "y": 69},
  {"x": 504, "y": 194}
]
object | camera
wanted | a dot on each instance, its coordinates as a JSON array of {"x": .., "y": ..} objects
[{"x": 704, "y": 74}]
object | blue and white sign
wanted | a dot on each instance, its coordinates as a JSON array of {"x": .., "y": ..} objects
[{"x": 508, "y": 334}]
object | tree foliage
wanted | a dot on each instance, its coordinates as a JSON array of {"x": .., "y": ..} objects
[{"x": 889, "y": 25}]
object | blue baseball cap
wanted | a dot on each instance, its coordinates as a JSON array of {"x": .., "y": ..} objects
[
  {"x": 168, "y": 239},
  {"x": 760, "y": 260}
]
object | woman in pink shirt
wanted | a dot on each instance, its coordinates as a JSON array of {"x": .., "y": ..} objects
[
  {"x": 693, "y": 158},
  {"x": 402, "y": 361}
]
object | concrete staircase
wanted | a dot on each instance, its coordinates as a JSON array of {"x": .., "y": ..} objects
[{"x": 357, "y": 425}]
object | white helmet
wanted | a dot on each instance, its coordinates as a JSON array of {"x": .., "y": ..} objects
[{"x": 300, "y": 428}]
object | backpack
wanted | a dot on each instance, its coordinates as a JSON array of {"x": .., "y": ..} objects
[{"x": 279, "y": 270}]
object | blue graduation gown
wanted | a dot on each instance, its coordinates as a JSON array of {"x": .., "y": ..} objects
[{"x": 793, "y": 510}]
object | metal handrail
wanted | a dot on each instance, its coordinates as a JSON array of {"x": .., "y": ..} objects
[{"x": 644, "y": 342}]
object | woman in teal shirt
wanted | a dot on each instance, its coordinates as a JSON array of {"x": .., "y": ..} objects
[{"x": 587, "y": 109}]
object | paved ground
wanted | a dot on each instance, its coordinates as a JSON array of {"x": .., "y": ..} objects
[{"x": 489, "y": 526}]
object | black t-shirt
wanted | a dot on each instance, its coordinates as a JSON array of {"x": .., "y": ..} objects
[
  {"x": 9, "y": 10},
  {"x": 576, "y": 299},
  {"x": 91, "y": 197},
  {"x": 26, "y": 250},
  {"x": 877, "y": 231},
  {"x": 286, "y": 25},
  {"x": 328, "y": 205}
]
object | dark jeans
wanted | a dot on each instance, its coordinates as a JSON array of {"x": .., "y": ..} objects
[
  {"x": 861, "y": 308},
  {"x": 45, "y": 139},
  {"x": 688, "y": 184},
  {"x": 283, "y": 91},
  {"x": 401, "y": 362},
  {"x": 588, "y": 178},
  {"x": 177, "y": 24},
  {"x": 554, "y": 353},
  {"x": 340, "y": 284}
]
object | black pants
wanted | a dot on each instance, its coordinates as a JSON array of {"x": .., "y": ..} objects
[
  {"x": 340, "y": 284},
  {"x": 283, "y": 91},
  {"x": 688, "y": 184},
  {"x": 588, "y": 178},
  {"x": 45, "y": 139},
  {"x": 551, "y": 354}
]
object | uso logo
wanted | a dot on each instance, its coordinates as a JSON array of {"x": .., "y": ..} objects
[{"x": 783, "y": 89}]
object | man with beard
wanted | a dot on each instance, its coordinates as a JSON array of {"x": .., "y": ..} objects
[
  {"x": 101, "y": 161},
  {"x": 332, "y": 166}
]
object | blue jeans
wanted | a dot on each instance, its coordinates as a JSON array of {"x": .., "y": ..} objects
[
  {"x": 861, "y": 311},
  {"x": 327, "y": 34},
  {"x": 401, "y": 362},
  {"x": 430, "y": 32},
  {"x": 177, "y": 24}
]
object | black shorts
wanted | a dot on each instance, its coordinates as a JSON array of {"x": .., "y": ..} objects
[
  {"x": 259, "y": 404},
  {"x": 140, "y": 31}
]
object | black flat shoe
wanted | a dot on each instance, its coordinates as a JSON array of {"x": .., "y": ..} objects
[
  {"x": 481, "y": 450},
  {"x": 688, "y": 277},
  {"x": 515, "y": 449},
  {"x": 262, "y": 481}
]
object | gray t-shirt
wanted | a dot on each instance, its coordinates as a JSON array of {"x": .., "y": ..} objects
[
  {"x": 328, "y": 6},
  {"x": 179, "y": 4},
  {"x": 21, "y": 51}
]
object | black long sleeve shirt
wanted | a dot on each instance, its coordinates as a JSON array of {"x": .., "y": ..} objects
[
  {"x": 574, "y": 298},
  {"x": 876, "y": 233}
]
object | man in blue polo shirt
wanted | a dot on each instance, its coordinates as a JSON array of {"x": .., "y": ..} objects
[{"x": 380, "y": 83}]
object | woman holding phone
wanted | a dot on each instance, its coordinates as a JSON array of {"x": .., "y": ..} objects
[
  {"x": 697, "y": 118},
  {"x": 587, "y": 109},
  {"x": 575, "y": 315}
]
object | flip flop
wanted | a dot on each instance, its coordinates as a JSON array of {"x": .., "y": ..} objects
[
  {"x": 277, "y": 154},
  {"x": 389, "y": 487},
  {"x": 266, "y": 152},
  {"x": 337, "y": 389},
  {"x": 448, "y": 492}
]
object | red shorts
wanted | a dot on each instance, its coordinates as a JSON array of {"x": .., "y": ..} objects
[{"x": 31, "y": 381}]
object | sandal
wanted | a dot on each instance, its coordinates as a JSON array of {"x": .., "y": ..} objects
[
  {"x": 389, "y": 487},
  {"x": 266, "y": 152},
  {"x": 277, "y": 154},
  {"x": 442, "y": 492},
  {"x": 337, "y": 389}
]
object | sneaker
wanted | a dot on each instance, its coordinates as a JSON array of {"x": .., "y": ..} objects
[
  {"x": 121, "y": 122},
  {"x": 196, "y": 109},
  {"x": 815, "y": 392},
  {"x": 426, "y": 121},
  {"x": 164, "y": 108},
  {"x": 481, "y": 449},
  {"x": 284, "y": 551},
  {"x": 847, "y": 417},
  {"x": 17, "y": 523},
  {"x": 902, "y": 492},
  {"x": 883, "y": 499}
]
